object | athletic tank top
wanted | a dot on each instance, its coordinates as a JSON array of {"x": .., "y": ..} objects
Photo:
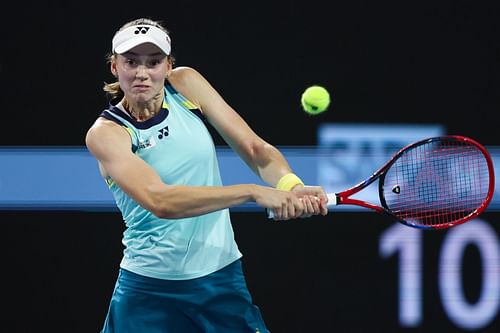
[{"x": 177, "y": 144}]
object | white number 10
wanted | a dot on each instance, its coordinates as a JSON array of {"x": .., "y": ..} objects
[{"x": 408, "y": 243}]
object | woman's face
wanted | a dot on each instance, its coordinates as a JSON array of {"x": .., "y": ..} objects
[{"x": 141, "y": 72}]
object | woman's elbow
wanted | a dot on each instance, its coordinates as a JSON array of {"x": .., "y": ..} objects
[
  {"x": 164, "y": 211},
  {"x": 258, "y": 149},
  {"x": 158, "y": 204}
]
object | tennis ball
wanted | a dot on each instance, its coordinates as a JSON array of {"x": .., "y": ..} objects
[{"x": 315, "y": 100}]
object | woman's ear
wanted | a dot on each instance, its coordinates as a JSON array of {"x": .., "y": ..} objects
[
  {"x": 169, "y": 70},
  {"x": 113, "y": 68}
]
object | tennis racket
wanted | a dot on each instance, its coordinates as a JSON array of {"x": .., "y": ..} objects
[{"x": 435, "y": 183}]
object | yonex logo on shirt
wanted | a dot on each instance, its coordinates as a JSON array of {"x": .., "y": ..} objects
[
  {"x": 163, "y": 132},
  {"x": 141, "y": 30}
]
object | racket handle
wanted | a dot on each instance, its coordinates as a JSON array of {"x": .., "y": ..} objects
[{"x": 332, "y": 201}]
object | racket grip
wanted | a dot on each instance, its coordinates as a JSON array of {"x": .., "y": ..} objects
[{"x": 332, "y": 201}]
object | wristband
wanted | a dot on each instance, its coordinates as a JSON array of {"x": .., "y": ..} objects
[{"x": 288, "y": 181}]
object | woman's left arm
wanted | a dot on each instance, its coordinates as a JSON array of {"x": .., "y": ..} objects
[{"x": 263, "y": 158}]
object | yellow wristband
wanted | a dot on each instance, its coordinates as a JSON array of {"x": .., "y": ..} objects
[{"x": 288, "y": 181}]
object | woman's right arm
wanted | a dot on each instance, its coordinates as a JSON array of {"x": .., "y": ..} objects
[{"x": 110, "y": 144}]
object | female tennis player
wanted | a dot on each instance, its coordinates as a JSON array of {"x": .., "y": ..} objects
[{"x": 181, "y": 269}]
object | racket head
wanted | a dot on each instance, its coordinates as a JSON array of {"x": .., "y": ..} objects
[{"x": 438, "y": 182}]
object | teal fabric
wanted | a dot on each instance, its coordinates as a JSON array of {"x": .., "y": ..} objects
[{"x": 177, "y": 144}]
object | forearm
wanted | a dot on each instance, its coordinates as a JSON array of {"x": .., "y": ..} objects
[
  {"x": 176, "y": 201},
  {"x": 268, "y": 163}
]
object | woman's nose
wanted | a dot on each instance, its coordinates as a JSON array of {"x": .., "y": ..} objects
[{"x": 141, "y": 72}]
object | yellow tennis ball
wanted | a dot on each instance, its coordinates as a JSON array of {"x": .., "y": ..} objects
[{"x": 315, "y": 100}]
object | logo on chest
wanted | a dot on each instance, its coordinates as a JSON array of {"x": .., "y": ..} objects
[
  {"x": 163, "y": 132},
  {"x": 151, "y": 142},
  {"x": 147, "y": 143}
]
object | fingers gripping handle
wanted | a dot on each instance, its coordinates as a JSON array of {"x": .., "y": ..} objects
[{"x": 332, "y": 201}]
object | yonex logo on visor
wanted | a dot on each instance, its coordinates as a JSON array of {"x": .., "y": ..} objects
[
  {"x": 133, "y": 36},
  {"x": 141, "y": 30}
]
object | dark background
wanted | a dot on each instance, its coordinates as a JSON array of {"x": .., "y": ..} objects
[
  {"x": 320, "y": 275},
  {"x": 383, "y": 62}
]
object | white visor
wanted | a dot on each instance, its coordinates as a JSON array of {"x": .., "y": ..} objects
[{"x": 130, "y": 37}]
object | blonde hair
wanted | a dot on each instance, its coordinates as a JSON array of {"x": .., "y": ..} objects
[{"x": 113, "y": 89}]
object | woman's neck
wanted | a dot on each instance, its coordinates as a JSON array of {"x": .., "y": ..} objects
[{"x": 143, "y": 111}]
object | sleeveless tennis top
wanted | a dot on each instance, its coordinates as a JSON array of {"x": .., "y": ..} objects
[{"x": 177, "y": 144}]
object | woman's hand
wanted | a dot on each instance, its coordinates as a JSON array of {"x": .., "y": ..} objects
[
  {"x": 313, "y": 198},
  {"x": 284, "y": 204}
]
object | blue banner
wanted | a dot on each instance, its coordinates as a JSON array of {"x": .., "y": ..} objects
[{"x": 68, "y": 178}]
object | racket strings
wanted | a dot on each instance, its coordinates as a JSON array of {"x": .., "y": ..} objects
[{"x": 437, "y": 183}]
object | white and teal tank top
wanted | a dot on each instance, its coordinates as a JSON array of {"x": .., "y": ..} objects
[{"x": 177, "y": 144}]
